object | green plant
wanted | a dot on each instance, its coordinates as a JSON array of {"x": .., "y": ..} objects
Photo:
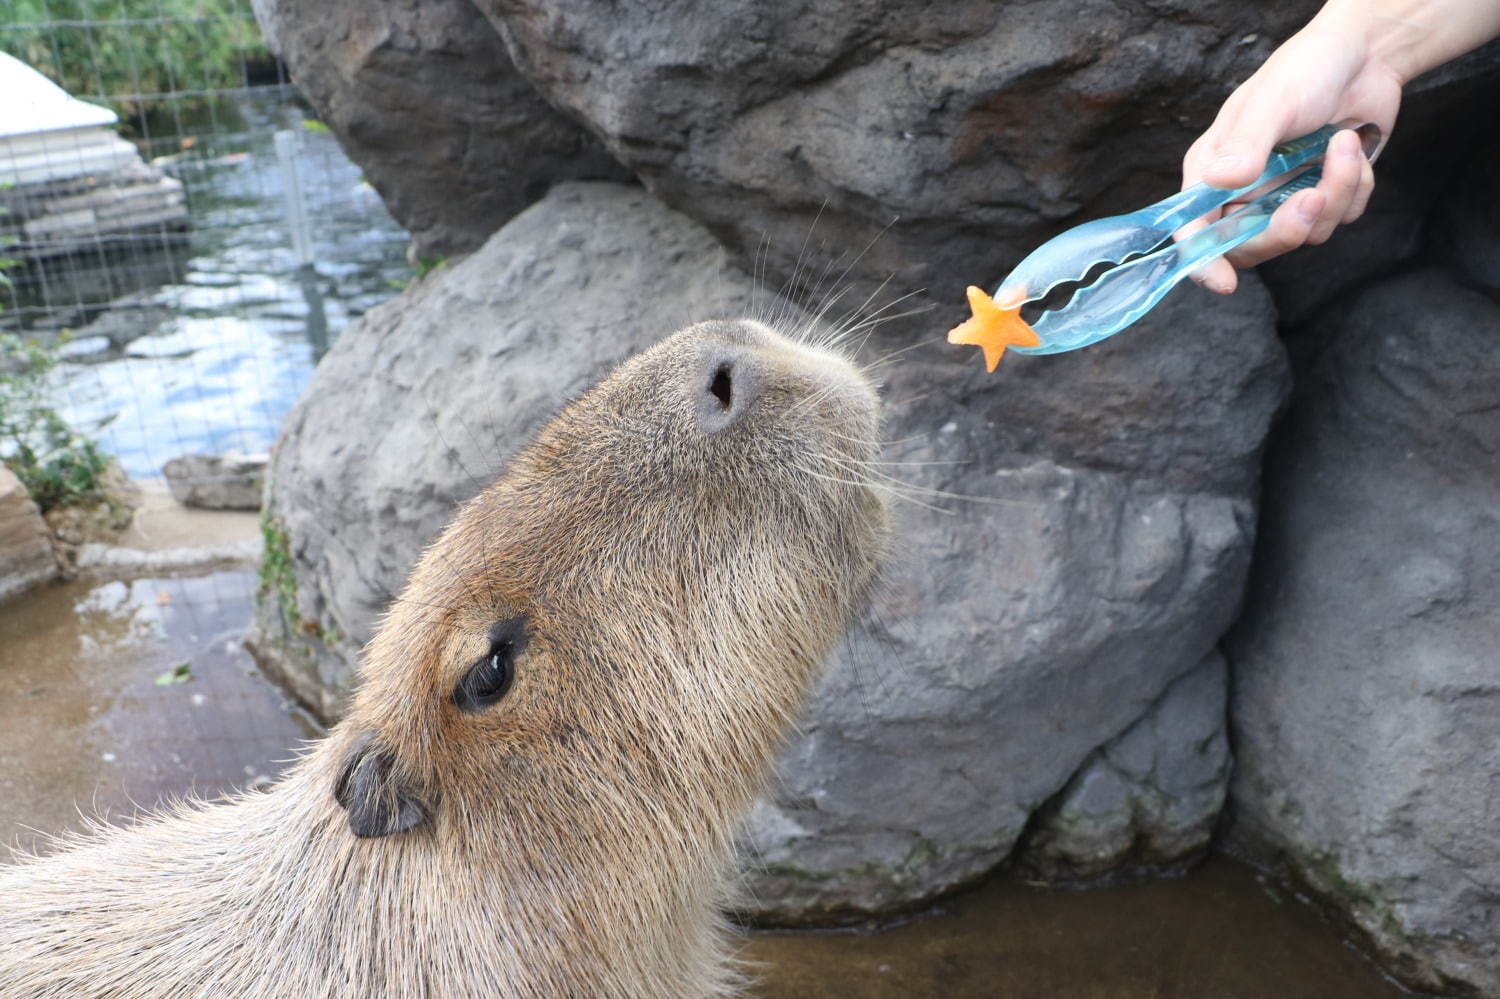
[
  {"x": 423, "y": 267},
  {"x": 58, "y": 466},
  {"x": 125, "y": 52},
  {"x": 6, "y": 263},
  {"x": 276, "y": 573}
]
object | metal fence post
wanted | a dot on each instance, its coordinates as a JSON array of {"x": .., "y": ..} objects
[{"x": 296, "y": 205}]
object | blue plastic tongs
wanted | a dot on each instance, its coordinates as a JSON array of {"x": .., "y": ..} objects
[{"x": 1135, "y": 283}]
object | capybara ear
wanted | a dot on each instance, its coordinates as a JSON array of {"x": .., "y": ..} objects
[{"x": 377, "y": 803}]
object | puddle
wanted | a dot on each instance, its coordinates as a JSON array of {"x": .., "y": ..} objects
[
  {"x": 84, "y": 726},
  {"x": 1216, "y": 934}
]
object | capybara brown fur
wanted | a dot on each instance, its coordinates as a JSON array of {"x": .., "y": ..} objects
[{"x": 558, "y": 725}]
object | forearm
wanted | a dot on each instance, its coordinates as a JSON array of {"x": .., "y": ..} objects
[{"x": 1411, "y": 36}]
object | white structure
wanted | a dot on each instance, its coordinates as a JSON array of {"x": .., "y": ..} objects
[{"x": 66, "y": 178}]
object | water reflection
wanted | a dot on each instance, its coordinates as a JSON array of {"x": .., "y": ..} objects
[
  {"x": 205, "y": 344},
  {"x": 84, "y": 723}
]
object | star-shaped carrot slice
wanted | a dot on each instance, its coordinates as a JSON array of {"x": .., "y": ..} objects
[{"x": 993, "y": 327}]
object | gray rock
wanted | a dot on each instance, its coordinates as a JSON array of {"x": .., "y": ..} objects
[
  {"x": 217, "y": 482},
  {"x": 1149, "y": 799},
  {"x": 422, "y": 95},
  {"x": 1100, "y": 557},
  {"x": 985, "y": 128},
  {"x": 1017, "y": 633},
  {"x": 1466, "y": 225},
  {"x": 1366, "y": 687},
  {"x": 26, "y": 555}
]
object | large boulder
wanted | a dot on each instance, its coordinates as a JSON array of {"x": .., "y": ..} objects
[
  {"x": 26, "y": 554},
  {"x": 422, "y": 95},
  {"x": 984, "y": 127},
  {"x": 1366, "y": 699},
  {"x": 1085, "y": 547},
  {"x": 1148, "y": 798},
  {"x": 1076, "y": 543}
]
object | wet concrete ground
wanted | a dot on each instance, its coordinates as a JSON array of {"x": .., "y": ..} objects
[
  {"x": 86, "y": 730},
  {"x": 84, "y": 725}
]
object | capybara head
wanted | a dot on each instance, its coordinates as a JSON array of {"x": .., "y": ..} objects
[{"x": 631, "y": 614}]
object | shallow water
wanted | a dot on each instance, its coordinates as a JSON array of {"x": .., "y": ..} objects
[
  {"x": 204, "y": 344},
  {"x": 1219, "y": 933},
  {"x": 86, "y": 730},
  {"x": 85, "y": 725}
]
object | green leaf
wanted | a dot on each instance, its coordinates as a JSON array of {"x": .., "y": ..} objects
[{"x": 182, "y": 674}]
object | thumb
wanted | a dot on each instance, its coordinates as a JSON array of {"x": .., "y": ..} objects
[{"x": 1238, "y": 151}]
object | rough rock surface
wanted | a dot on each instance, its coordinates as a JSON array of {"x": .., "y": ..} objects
[
  {"x": 422, "y": 95},
  {"x": 1466, "y": 227},
  {"x": 985, "y": 127},
  {"x": 217, "y": 482},
  {"x": 1366, "y": 682},
  {"x": 26, "y": 555},
  {"x": 1149, "y": 799},
  {"x": 1100, "y": 557}
]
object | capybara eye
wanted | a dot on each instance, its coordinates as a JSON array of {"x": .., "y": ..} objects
[
  {"x": 722, "y": 385},
  {"x": 490, "y": 678}
]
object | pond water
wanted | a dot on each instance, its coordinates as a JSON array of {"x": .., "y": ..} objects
[
  {"x": 203, "y": 341},
  {"x": 1222, "y": 932}
]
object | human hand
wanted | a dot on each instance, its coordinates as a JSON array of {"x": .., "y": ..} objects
[{"x": 1318, "y": 76}]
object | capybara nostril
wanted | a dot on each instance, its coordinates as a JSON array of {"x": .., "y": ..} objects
[
  {"x": 726, "y": 385},
  {"x": 722, "y": 386}
]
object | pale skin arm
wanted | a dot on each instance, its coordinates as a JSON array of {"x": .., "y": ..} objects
[{"x": 1350, "y": 61}]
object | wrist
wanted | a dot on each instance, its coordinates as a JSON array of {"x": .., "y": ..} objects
[
  {"x": 1406, "y": 38},
  {"x": 1381, "y": 37}
]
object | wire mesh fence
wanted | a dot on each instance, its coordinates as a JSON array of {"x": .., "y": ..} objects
[
  {"x": 156, "y": 250},
  {"x": 184, "y": 241}
]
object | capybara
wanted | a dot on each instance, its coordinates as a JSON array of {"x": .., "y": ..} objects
[{"x": 558, "y": 724}]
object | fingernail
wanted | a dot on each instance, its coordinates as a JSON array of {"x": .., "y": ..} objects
[{"x": 1206, "y": 283}]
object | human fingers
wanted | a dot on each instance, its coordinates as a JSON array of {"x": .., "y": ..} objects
[
  {"x": 1235, "y": 148},
  {"x": 1362, "y": 195},
  {"x": 1342, "y": 171},
  {"x": 1289, "y": 228},
  {"x": 1216, "y": 275}
]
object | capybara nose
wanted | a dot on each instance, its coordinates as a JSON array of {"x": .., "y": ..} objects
[{"x": 727, "y": 385}]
